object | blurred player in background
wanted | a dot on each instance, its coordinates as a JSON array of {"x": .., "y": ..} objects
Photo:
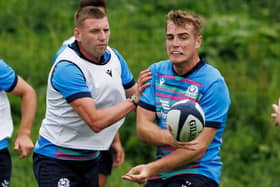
[
  {"x": 12, "y": 83},
  {"x": 276, "y": 114}
]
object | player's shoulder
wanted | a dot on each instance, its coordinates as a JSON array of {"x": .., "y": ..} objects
[
  {"x": 2, "y": 61},
  {"x": 111, "y": 50},
  {"x": 161, "y": 66},
  {"x": 3, "y": 64},
  {"x": 211, "y": 72},
  {"x": 5, "y": 68},
  {"x": 65, "y": 66}
]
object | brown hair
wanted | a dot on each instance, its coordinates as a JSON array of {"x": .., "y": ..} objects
[
  {"x": 97, "y": 3},
  {"x": 87, "y": 12},
  {"x": 179, "y": 17}
]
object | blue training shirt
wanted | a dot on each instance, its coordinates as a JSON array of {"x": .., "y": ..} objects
[
  {"x": 8, "y": 80},
  {"x": 203, "y": 84}
]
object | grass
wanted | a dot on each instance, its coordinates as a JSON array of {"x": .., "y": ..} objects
[{"x": 115, "y": 179}]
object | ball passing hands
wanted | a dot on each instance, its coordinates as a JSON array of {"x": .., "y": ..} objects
[{"x": 138, "y": 174}]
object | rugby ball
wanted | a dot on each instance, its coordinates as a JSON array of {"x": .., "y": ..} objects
[{"x": 185, "y": 120}]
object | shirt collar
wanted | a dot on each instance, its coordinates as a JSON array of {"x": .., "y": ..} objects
[
  {"x": 104, "y": 59},
  {"x": 195, "y": 68}
]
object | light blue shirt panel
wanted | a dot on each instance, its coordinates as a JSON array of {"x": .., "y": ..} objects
[
  {"x": 58, "y": 52},
  {"x": 126, "y": 74},
  {"x": 7, "y": 76},
  {"x": 216, "y": 102},
  {"x": 68, "y": 79},
  {"x": 148, "y": 94},
  {"x": 45, "y": 147},
  {"x": 4, "y": 143}
]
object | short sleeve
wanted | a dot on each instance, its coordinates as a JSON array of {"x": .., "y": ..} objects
[
  {"x": 68, "y": 79},
  {"x": 126, "y": 75},
  {"x": 8, "y": 77},
  {"x": 147, "y": 99},
  {"x": 216, "y": 103}
]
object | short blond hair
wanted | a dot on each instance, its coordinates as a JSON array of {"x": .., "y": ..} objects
[{"x": 179, "y": 17}]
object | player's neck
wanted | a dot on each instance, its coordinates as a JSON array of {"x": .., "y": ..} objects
[
  {"x": 86, "y": 55},
  {"x": 184, "y": 67}
]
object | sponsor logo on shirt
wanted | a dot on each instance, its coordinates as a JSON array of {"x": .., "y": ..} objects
[{"x": 109, "y": 72}]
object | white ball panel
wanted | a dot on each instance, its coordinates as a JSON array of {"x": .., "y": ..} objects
[{"x": 193, "y": 124}]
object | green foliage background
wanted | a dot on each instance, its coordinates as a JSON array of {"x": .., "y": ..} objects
[{"x": 241, "y": 38}]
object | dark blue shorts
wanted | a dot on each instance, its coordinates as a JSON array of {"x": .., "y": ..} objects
[
  {"x": 190, "y": 180},
  {"x": 106, "y": 162},
  {"x": 5, "y": 167},
  {"x": 50, "y": 172}
]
